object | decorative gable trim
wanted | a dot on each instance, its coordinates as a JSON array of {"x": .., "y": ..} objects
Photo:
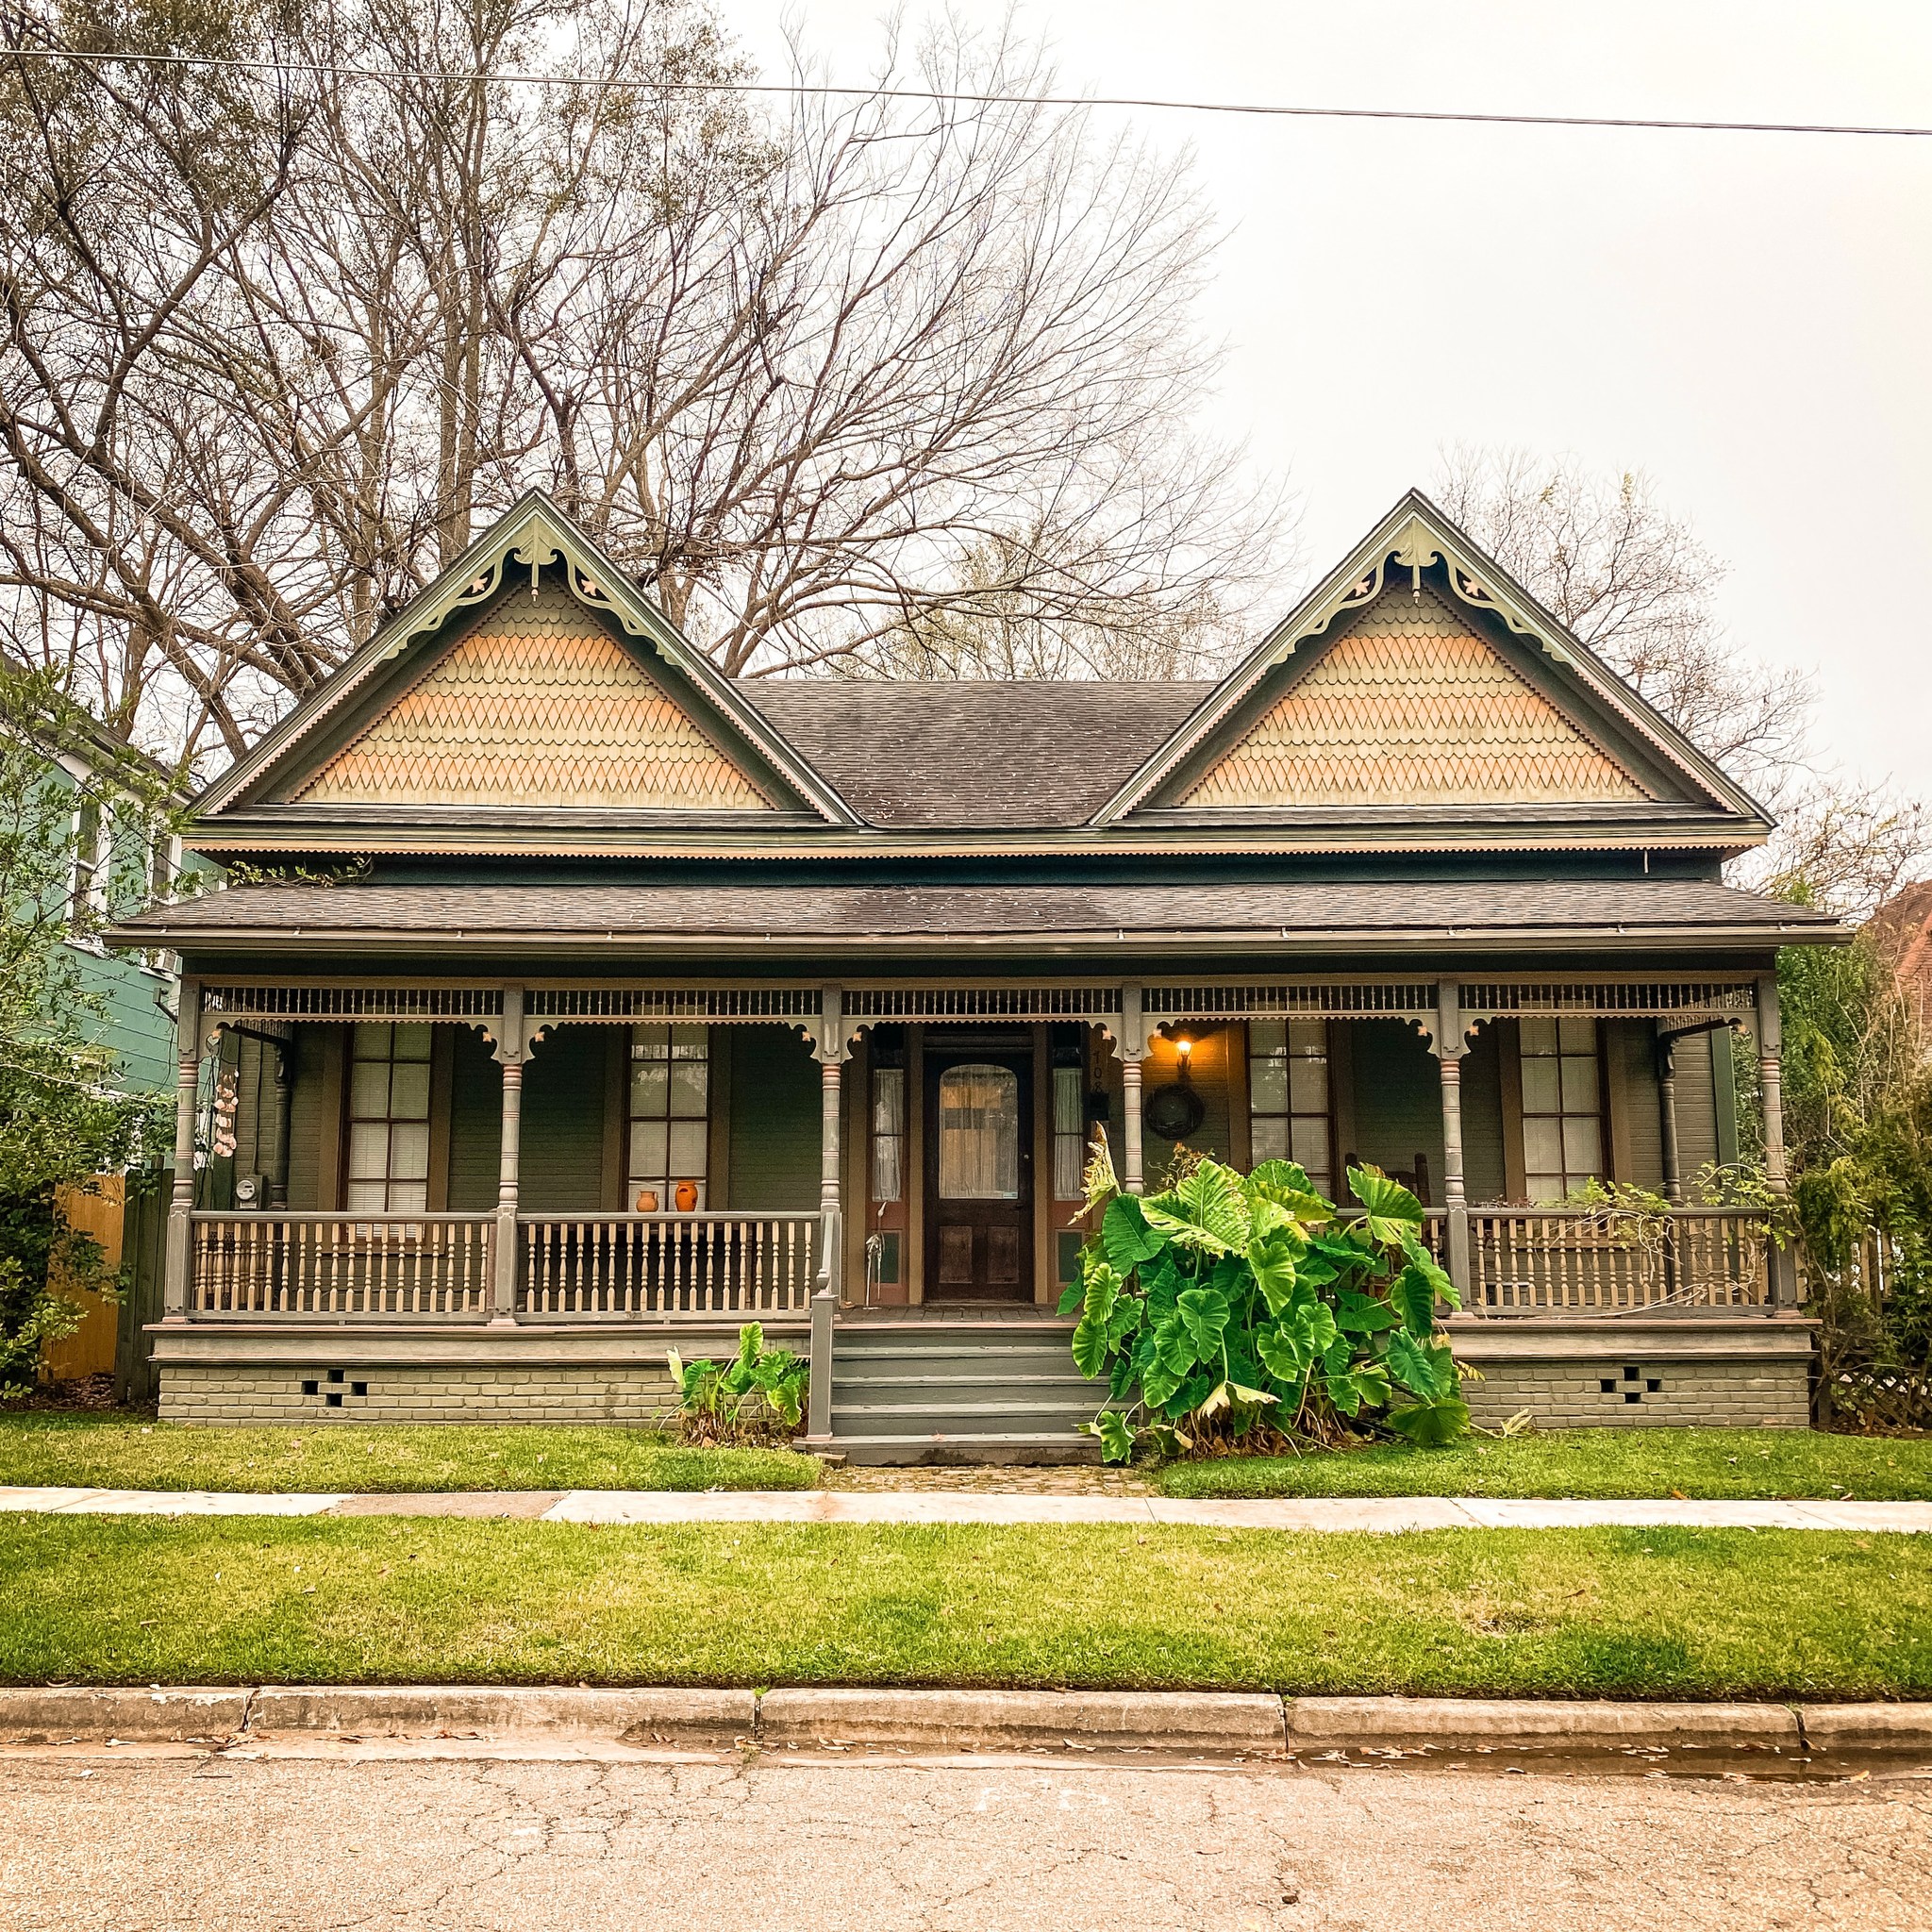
[
  {"x": 532, "y": 536},
  {"x": 1415, "y": 536}
]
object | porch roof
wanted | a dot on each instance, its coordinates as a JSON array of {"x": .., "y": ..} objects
[{"x": 1562, "y": 914}]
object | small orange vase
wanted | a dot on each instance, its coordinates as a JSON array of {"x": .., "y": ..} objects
[
  {"x": 687, "y": 1196},
  {"x": 647, "y": 1200}
]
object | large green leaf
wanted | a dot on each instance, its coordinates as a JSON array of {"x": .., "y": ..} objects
[
  {"x": 1116, "y": 1436},
  {"x": 1345, "y": 1392},
  {"x": 1419, "y": 1257},
  {"x": 1287, "y": 1184},
  {"x": 1390, "y": 1205},
  {"x": 1430, "y": 1425},
  {"x": 1173, "y": 1347},
  {"x": 1090, "y": 1346},
  {"x": 1125, "y": 1237},
  {"x": 1204, "y": 1312},
  {"x": 1362, "y": 1314},
  {"x": 1413, "y": 1295},
  {"x": 1274, "y": 1265},
  {"x": 1281, "y": 1353},
  {"x": 1205, "y": 1211},
  {"x": 1103, "y": 1286},
  {"x": 1410, "y": 1363},
  {"x": 1158, "y": 1383},
  {"x": 1071, "y": 1296},
  {"x": 1314, "y": 1327}
]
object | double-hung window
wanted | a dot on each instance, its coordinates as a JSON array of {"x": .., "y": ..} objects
[
  {"x": 1562, "y": 1105},
  {"x": 1287, "y": 1095},
  {"x": 670, "y": 1112},
  {"x": 389, "y": 1120}
]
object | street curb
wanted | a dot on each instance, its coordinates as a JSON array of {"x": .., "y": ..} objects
[
  {"x": 1195, "y": 1723},
  {"x": 1187, "y": 1723},
  {"x": 80, "y": 1714}
]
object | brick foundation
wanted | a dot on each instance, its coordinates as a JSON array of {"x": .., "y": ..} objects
[
  {"x": 636, "y": 1394},
  {"x": 1642, "y": 1389}
]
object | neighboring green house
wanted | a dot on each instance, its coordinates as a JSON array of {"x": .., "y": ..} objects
[{"x": 124, "y": 854}]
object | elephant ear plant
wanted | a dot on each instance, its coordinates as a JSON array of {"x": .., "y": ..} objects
[
  {"x": 758, "y": 1396},
  {"x": 1235, "y": 1303}
]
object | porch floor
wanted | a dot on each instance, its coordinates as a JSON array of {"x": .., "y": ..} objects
[{"x": 1018, "y": 1314}]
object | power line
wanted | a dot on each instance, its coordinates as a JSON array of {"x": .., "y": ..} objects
[{"x": 317, "y": 70}]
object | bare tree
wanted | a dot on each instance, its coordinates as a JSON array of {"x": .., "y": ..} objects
[
  {"x": 1637, "y": 585},
  {"x": 826, "y": 379}
]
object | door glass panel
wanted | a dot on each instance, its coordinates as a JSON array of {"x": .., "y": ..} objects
[{"x": 979, "y": 1134}]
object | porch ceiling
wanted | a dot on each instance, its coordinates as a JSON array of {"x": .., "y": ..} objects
[{"x": 1562, "y": 914}]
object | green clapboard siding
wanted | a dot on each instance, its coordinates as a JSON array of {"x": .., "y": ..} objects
[
  {"x": 306, "y": 1122},
  {"x": 476, "y": 1124},
  {"x": 1697, "y": 1134},
  {"x": 562, "y": 1165},
  {"x": 1484, "y": 1173},
  {"x": 1398, "y": 1100},
  {"x": 775, "y": 1118}
]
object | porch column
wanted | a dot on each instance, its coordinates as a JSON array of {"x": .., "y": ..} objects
[
  {"x": 1667, "y": 1117},
  {"x": 1782, "y": 1263},
  {"x": 506, "y": 1254},
  {"x": 1450, "y": 1047},
  {"x": 279, "y": 1168},
  {"x": 1133, "y": 1051},
  {"x": 181, "y": 1202},
  {"x": 831, "y": 1052}
]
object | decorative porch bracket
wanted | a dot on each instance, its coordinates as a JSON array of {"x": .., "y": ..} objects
[{"x": 1450, "y": 1043}]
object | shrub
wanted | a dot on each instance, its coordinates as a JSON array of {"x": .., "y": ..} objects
[
  {"x": 758, "y": 1396},
  {"x": 1235, "y": 1303}
]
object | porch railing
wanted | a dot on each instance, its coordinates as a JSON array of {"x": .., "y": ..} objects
[
  {"x": 1587, "y": 1261},
  {"x": 614, "y": 1265},
  {"x": 414, "y": 1266}
]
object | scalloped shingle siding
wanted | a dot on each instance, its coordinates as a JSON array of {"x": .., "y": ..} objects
[
  {"x": 1410, "y": 706},
  {"x": 538, "y": 705}
]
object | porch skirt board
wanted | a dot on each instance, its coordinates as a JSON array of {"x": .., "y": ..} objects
[
  {"x": 1753, "y": 1375},
  {"x": 633, "y": 1395}
]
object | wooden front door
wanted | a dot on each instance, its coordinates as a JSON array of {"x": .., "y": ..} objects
[{"x": 979, "y": 1176}]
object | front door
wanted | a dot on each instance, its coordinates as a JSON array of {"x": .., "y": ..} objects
[{"x": 978, "y": 1177}]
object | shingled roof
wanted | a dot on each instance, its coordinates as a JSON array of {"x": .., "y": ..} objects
[{"x": 966, "y": 754}]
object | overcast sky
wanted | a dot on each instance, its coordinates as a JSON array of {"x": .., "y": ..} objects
[{"x": 1746, "y": 317}]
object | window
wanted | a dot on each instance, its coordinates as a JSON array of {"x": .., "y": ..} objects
[
  {"x": 888, "y": 1133},
  {"x": 979, "y": 1134},
  {"x": 88, "y": 894},
  {"x": 1562, "y": 1107},
  {"x": 670, "y": 1110},
  {"x": 1069, "y": 1133},
  {"x": 1288, "y": 1094},
  {"x": 388, "y": 1121}
]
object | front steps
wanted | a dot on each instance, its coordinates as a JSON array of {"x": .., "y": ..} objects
[{"x": 974, "y": 1389}]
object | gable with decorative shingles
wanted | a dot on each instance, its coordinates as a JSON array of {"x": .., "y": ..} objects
[
  {"x": 537, "y": 704},
  {"x": 1409, "y": 706}
]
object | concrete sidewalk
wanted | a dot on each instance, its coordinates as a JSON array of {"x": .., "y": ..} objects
[{"x": 1381, "y": 1514}]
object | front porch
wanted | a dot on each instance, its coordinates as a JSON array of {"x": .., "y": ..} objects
[{"x": 504, "y": 1199}]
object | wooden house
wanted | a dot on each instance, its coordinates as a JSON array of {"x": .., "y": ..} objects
[{"x": 597, "y": 1004}]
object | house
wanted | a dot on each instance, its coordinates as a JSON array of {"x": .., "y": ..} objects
[
  {"x": 612, "y": 1004},
  {"x": 1902, "y": 931}
]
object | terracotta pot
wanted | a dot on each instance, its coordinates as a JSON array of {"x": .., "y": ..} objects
[
  {"x": 647, "y": 1200},
  {"x": 686, "y": 1198}
]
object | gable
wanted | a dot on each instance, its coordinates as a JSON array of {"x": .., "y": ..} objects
[
  {"x": 1410, "y": 706},
  {"x": 537, "y": 704}
]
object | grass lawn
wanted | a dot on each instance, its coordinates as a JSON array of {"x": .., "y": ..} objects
[
  {"x": 117, "y": 1452},
  {"x": 1585, "y": 1462},
  {"x": 1676, "y": 1613}
]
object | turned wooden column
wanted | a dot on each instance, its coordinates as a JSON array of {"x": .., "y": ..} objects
[
  {"x": 1133, "y": 1041},
  {"x": 1450, "y": 1047},
  {"x": 180, "y": 1258},
  {"x": 1781, "y": 1261},
  {"x": 506, "y": 1247},
  {"x": 1667, "y": 1118}
]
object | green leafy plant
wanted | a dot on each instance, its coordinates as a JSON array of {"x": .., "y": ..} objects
[
  {"x": 758, "y": 1396},
  {"x": 1233, "y": 1307}
]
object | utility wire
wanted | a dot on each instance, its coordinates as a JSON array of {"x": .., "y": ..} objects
[{"x": 317, "y": 70}]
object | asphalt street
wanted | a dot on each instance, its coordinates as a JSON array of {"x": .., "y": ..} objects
[{"x": 141, "y": 1845}]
